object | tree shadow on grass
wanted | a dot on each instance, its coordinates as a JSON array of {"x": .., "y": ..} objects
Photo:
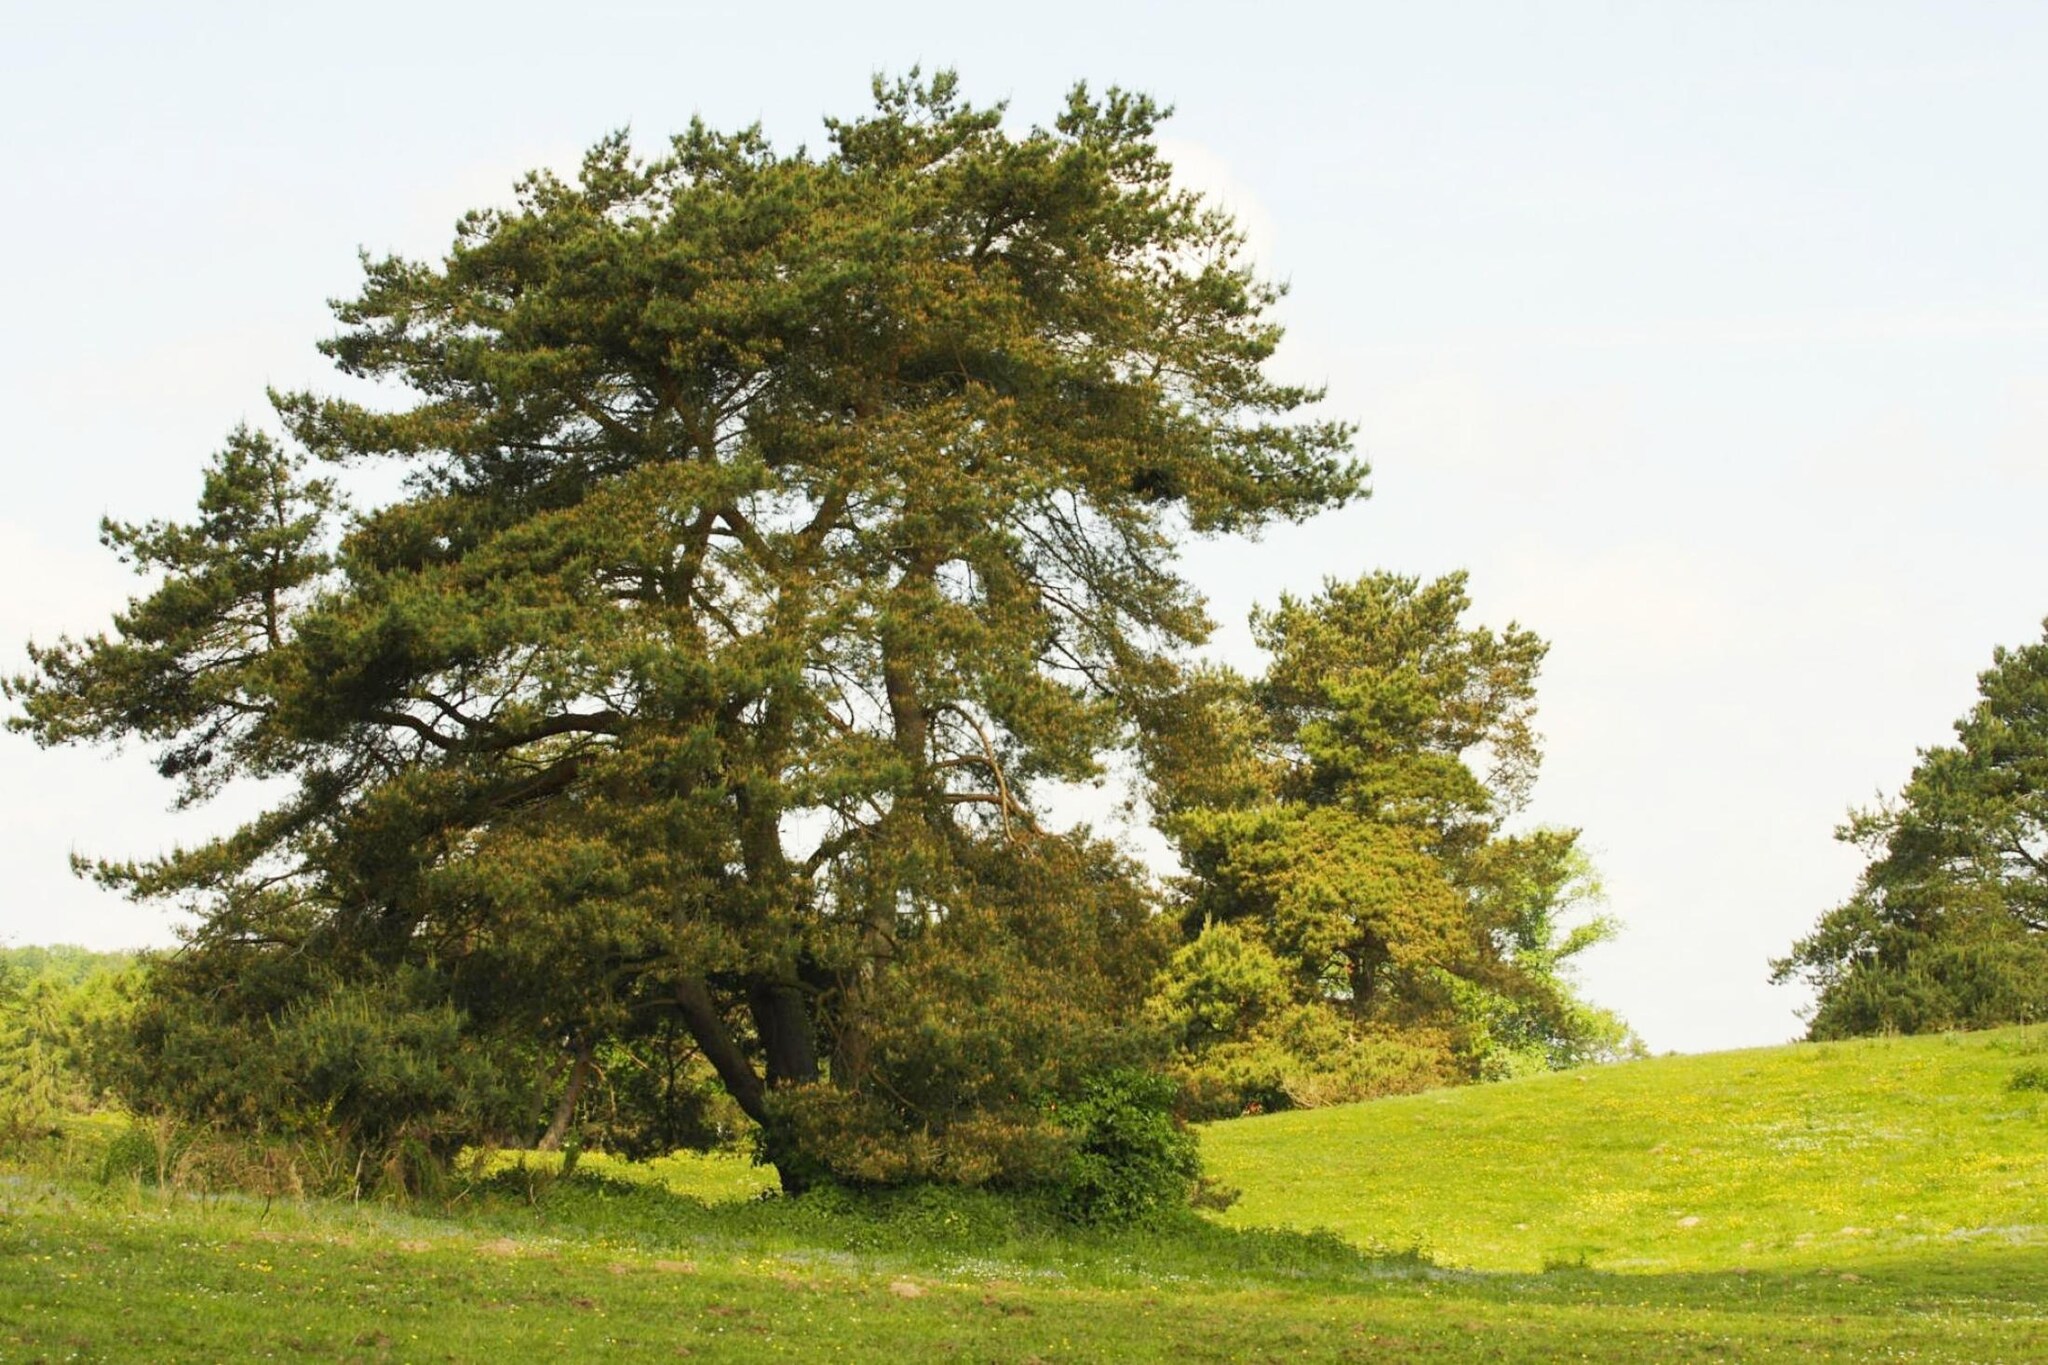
[
  {"x": 988, "y": 1233},
  {"x": 936, "y": 1227}
]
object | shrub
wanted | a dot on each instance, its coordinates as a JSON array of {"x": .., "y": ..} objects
[
  {"x": 2033, "y": 1076},
  {"x": 51, "y": 999},
  {"x": 140, "y": 1152},
  {"x": 835, "y": 1136},
  {"x": 1220, "y": 987},
  {"x": 1307, "y": 1057},
  {"x": 1132, "y": 1160},
  {"x": 368, "y": 1083},
  {"x": 1244, "y": 1045}
]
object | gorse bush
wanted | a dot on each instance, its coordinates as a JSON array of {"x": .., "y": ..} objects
[{"x": 385, "y": 1069}]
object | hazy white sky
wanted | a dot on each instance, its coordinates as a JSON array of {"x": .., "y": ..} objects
[{"x": 1711, "y": 338}]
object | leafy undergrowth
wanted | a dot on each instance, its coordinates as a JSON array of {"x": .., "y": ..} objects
[
  {"x": 685, "y": 1257},
  {"x": 1837, "y": 1154}
]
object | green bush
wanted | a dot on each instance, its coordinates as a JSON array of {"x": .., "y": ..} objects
[
  {"x": 1308, "y": 1057},
  {"x": 1244, "y": 1045},
  {"x": 1961, "y": 963},
  {"x": 138, "y": 1152},
  {"x": 1132, "y": 1160},
  {"x": 366, "y": 1083},
  {"x": 1220, "y": 987},
  {"x": 2033, "y": 1076}
]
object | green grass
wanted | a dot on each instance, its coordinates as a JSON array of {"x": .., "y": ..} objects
[
  {"x": 1814, "y": 1154},
  {"x": 114, "y": 1279},
  {"x": 1774, "y": 1152},
  {"x": 712, "y": 1177}
]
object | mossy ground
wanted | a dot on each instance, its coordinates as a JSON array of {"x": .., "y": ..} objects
[{"x": 1919, "y": 1146}]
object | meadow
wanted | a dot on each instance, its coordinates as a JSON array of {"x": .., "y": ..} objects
[{"x": 1877, "y": 1200}]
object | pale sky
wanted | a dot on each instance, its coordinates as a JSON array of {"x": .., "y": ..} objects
[{"x": 1711, "y": 338}]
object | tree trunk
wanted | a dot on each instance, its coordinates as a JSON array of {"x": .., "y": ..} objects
[
  {"x": 910, "y": 729},
  {"x": 851, "y": 1042},
  {"x": 558, "y": 1127},
  {"x": 1366, "y": 957},
  {"x": 715, "y": 1041},
  {"x": 783, "y": 1020}
]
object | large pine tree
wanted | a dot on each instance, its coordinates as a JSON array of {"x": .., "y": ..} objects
[{"x": 775, "y": 525}]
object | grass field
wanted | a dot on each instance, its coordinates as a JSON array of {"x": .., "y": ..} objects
[
  {"x": 1883, "y": 1201},
  {"x": 1814, "y": 1154}
]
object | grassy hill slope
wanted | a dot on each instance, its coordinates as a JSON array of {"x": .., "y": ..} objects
[
  {"x": 1823, "y": 1154},
  {"x": 1872, "y": 1201}
]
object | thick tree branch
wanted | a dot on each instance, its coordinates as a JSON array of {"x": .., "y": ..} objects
[{"x": 715, "y": 1041}]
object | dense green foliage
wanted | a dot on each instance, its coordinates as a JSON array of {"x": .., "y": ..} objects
[
  {"x": 57, "y": 1004},
  {"x": 61, "y": 964},
  {"x": 367, "y": 1079},
  {"x": 776, "y": 528},
  {"x": 1132, "y": 1159},
  {"x": 1948, "y": 927},
  {"x": 1362, "y": 922}
]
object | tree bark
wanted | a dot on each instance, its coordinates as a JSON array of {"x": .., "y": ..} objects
[
  {"x": 1366, "y": 957},
  {"x": 783, "y": 1020},
  {"x": 565, "y": 1111},
  {"x": 715, "y": 1041}
]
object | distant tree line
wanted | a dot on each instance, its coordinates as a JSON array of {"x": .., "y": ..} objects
[{"x": 61, "y": 1010}]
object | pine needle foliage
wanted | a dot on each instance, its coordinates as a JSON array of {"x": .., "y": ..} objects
[
  {"x": 776, "y": 526},
  {"x": 1363, "y": 920},
  {"x": 1948, "y": 926}
]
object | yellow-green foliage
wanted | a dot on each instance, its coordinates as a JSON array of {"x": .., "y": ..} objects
[
  {"x": 1367, "y": 925},
  {"x": 52, "y": 1000},
  {"x": 1244, "y": 1044},
  {"x": 713, "y": 1177},
  {"x": 1830, "y": 1154}
]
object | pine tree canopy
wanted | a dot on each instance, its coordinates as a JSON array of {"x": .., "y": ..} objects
[
  {"x": 1948, "y": 926},
  {"x": 1362, "y": 919},
  {"x": 775, "y": 527}
]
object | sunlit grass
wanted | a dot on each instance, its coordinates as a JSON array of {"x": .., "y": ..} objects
[
  {"x": 108, "y": 1276},
  {"x": 1821, "y": 1154},
  {"x": 1879, "y": 1200},
  {"x": 713, "y": 1177}
]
